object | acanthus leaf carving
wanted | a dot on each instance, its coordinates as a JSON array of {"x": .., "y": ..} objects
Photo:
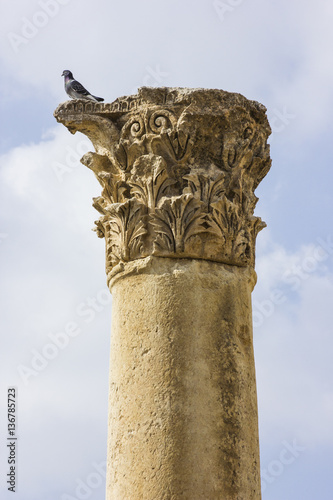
[
  {"x": 125, "y": 229},
  {"x": 175, "y": 221},
  {"x": 203, "y": 187},
  {"x": 149, "y": 187},
  {"x": 226, "y": 223}
]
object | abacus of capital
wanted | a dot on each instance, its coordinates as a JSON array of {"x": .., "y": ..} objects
[{"x": 179, "y": 168}]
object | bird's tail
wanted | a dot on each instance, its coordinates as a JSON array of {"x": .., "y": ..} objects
[{"x": 99, "y": 99}]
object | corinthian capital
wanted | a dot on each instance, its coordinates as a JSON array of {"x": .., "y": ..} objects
[{"x": 178, "y": 169}]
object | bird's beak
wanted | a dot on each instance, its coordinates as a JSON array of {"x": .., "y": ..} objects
[{"x": 62, "y": 74}]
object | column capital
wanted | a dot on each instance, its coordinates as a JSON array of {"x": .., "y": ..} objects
[{"x": 178, "y": 169}]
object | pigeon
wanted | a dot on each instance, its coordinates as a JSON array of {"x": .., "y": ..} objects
[{"x": 75, "y": 90}]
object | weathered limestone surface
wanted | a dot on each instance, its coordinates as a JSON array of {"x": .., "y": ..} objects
[
  {"x": 183, "y": 408},
  {"x": 179, "y": 168}
]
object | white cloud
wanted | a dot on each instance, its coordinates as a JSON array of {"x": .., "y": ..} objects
[
  {"x": 293, "y": 345},
  {"x": 54, "y": 263}
]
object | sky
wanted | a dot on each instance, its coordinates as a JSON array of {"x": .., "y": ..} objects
[{"x": 55, "y": 309}]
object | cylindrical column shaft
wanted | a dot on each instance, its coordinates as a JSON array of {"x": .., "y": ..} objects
[{"x": 182, "y": 410}]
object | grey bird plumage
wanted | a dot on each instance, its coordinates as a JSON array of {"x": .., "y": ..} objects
[{"x": 75, "y": 90}]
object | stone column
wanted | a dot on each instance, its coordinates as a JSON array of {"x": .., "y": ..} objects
[{"x": 179, "y": 168}]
